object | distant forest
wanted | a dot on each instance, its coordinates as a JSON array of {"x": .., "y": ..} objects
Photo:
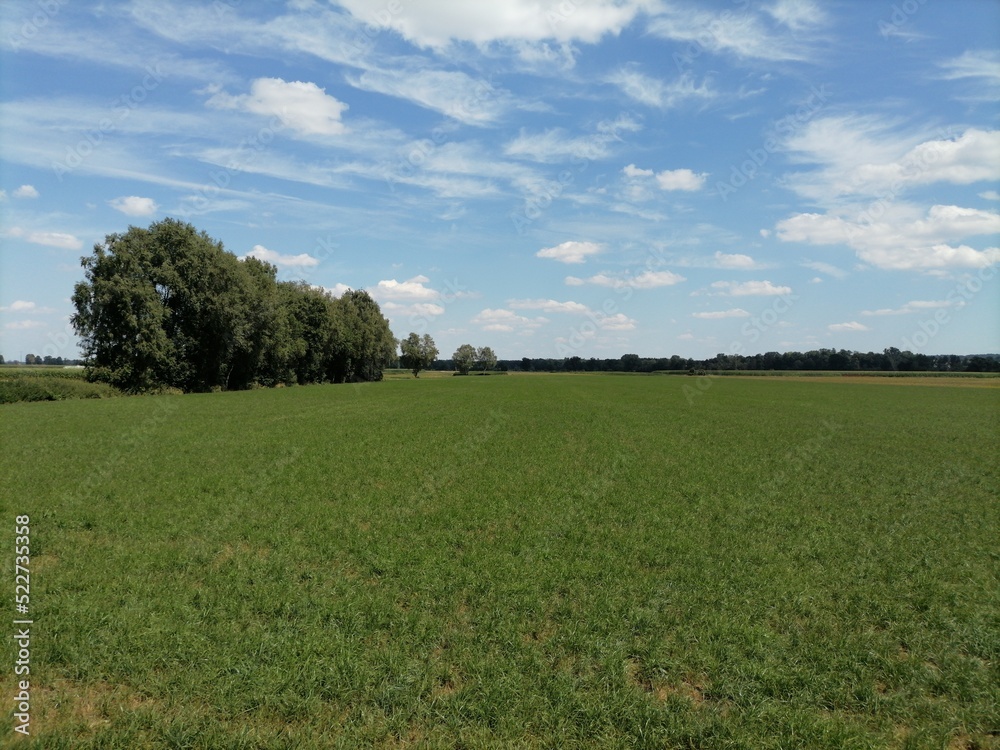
[{"x": 819, "y": 359}]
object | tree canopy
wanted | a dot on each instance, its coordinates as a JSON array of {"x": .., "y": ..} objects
[
  {"x": 418, "y": 353},
  {"x": 168, "y": 306}
]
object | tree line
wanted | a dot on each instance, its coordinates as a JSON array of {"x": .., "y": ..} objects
[
  {"x": 169, "y": 307},
  {"x": 844, "y": 360}
]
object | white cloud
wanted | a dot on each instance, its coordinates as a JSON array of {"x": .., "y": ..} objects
[
  {"x": 570, "y": 252},
  {"x": 633, "y": 171},
  {"x": 829, "y": 270},
  {"x": 548, "y": 305},
  {"x": 990, "y": 195},
  {"x": 852, "y": 326},
  {"x": 337, "y": 290},
  {"x": 734, "y": 260},
  {"x": 506, "y": 321},
  {"x": 797, "y": 15},
  {"x": 902, "y": 239},
  {"x": 644, "y": 280},
  {"x": 421, "y": 309},
  {"x": 25, "y": 191},
  {"x": 680, "y": 179},
  {"x": 411, "y": 290},
  {"x": 741, "y": 33},
  {"x": 19, "y": 305},
  {"x": 3, "y": 195},
  {"x": 24, "y": 325},
  {"x": 735, "y": 312},
  {"x": 868, "y": 157},
  {"x": 51, "y": 239},
  {"x": 914, "y": 306},
  {"x": 133, "y": 205},
  {"x": 616, "y": 322},
  {"x": 748, "y": 288},
  {"x": 656, "y": 93},
  {"x": 983, "y": 65},
  {"x": 450, "y": 92},
  {"x": 303, "y": 260},
  {"x": 557, "y": 145},
  {"x": 301, "y": 106},
  {"x": 438, "y": 23}
]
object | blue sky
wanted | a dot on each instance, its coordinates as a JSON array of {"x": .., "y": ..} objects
[{"x": 547, "y": 177}]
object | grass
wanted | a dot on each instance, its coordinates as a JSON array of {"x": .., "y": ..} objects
[
  {"x": 46, "y": 383},
  {"x": 547, "y": 561}
]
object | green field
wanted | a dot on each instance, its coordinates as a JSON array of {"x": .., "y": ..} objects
[{"x": 520, "y": 561}]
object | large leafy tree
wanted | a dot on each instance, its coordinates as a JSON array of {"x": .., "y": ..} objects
[
  {"x": 361, "y": 343},
  {"x": 418, "y": 353},
  {"x": 464, "y": 358},
  {"x": 168, "y": 306},
  {"x": 485, "y": 358}
]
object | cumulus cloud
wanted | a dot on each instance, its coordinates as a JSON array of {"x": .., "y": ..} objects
[
  {"x": 852, "y": 326},
  {"x": 337, "y": 290},
  {"x": 914, "y": 306},
  {"x": 19, "y": 305},
  {"x": 133, "y": 205},
  {"x": 506, "y": 321},
  {"x": 748, "y": 288},
  {"x": 25, "y": 191},
  {"x": 548, "y": 306},
  {"x": 61, "y": 240},
  {"x": 442, "y": 22},
  {"x": 867, "y": 157},
  {"x": 680, "y": 179},
  {"x": 303, "y": 260},
  {"x": 411, "y": 290},
  {"x": 668, "y": 179},
  {"x": 300, "y": 106},
  {"x": 735, "y": 312},
  {"x": 734, "y": 260},
  {"x": 902, "y": 238},
  {"x": 570, "y": 252},
  {"x": 616, "y": 322},
  {"x": 632, "y": 171},
  {"x": 23, "y": 325},
  {"x": 644, "y": 280}
]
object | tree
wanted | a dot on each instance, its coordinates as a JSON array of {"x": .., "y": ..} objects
[
  {"x": 464, "y": 358},
  {"x": 418, "y": 353},
  {"x": 167, "y": 306},
  {"x": 485, "y": 358}
]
